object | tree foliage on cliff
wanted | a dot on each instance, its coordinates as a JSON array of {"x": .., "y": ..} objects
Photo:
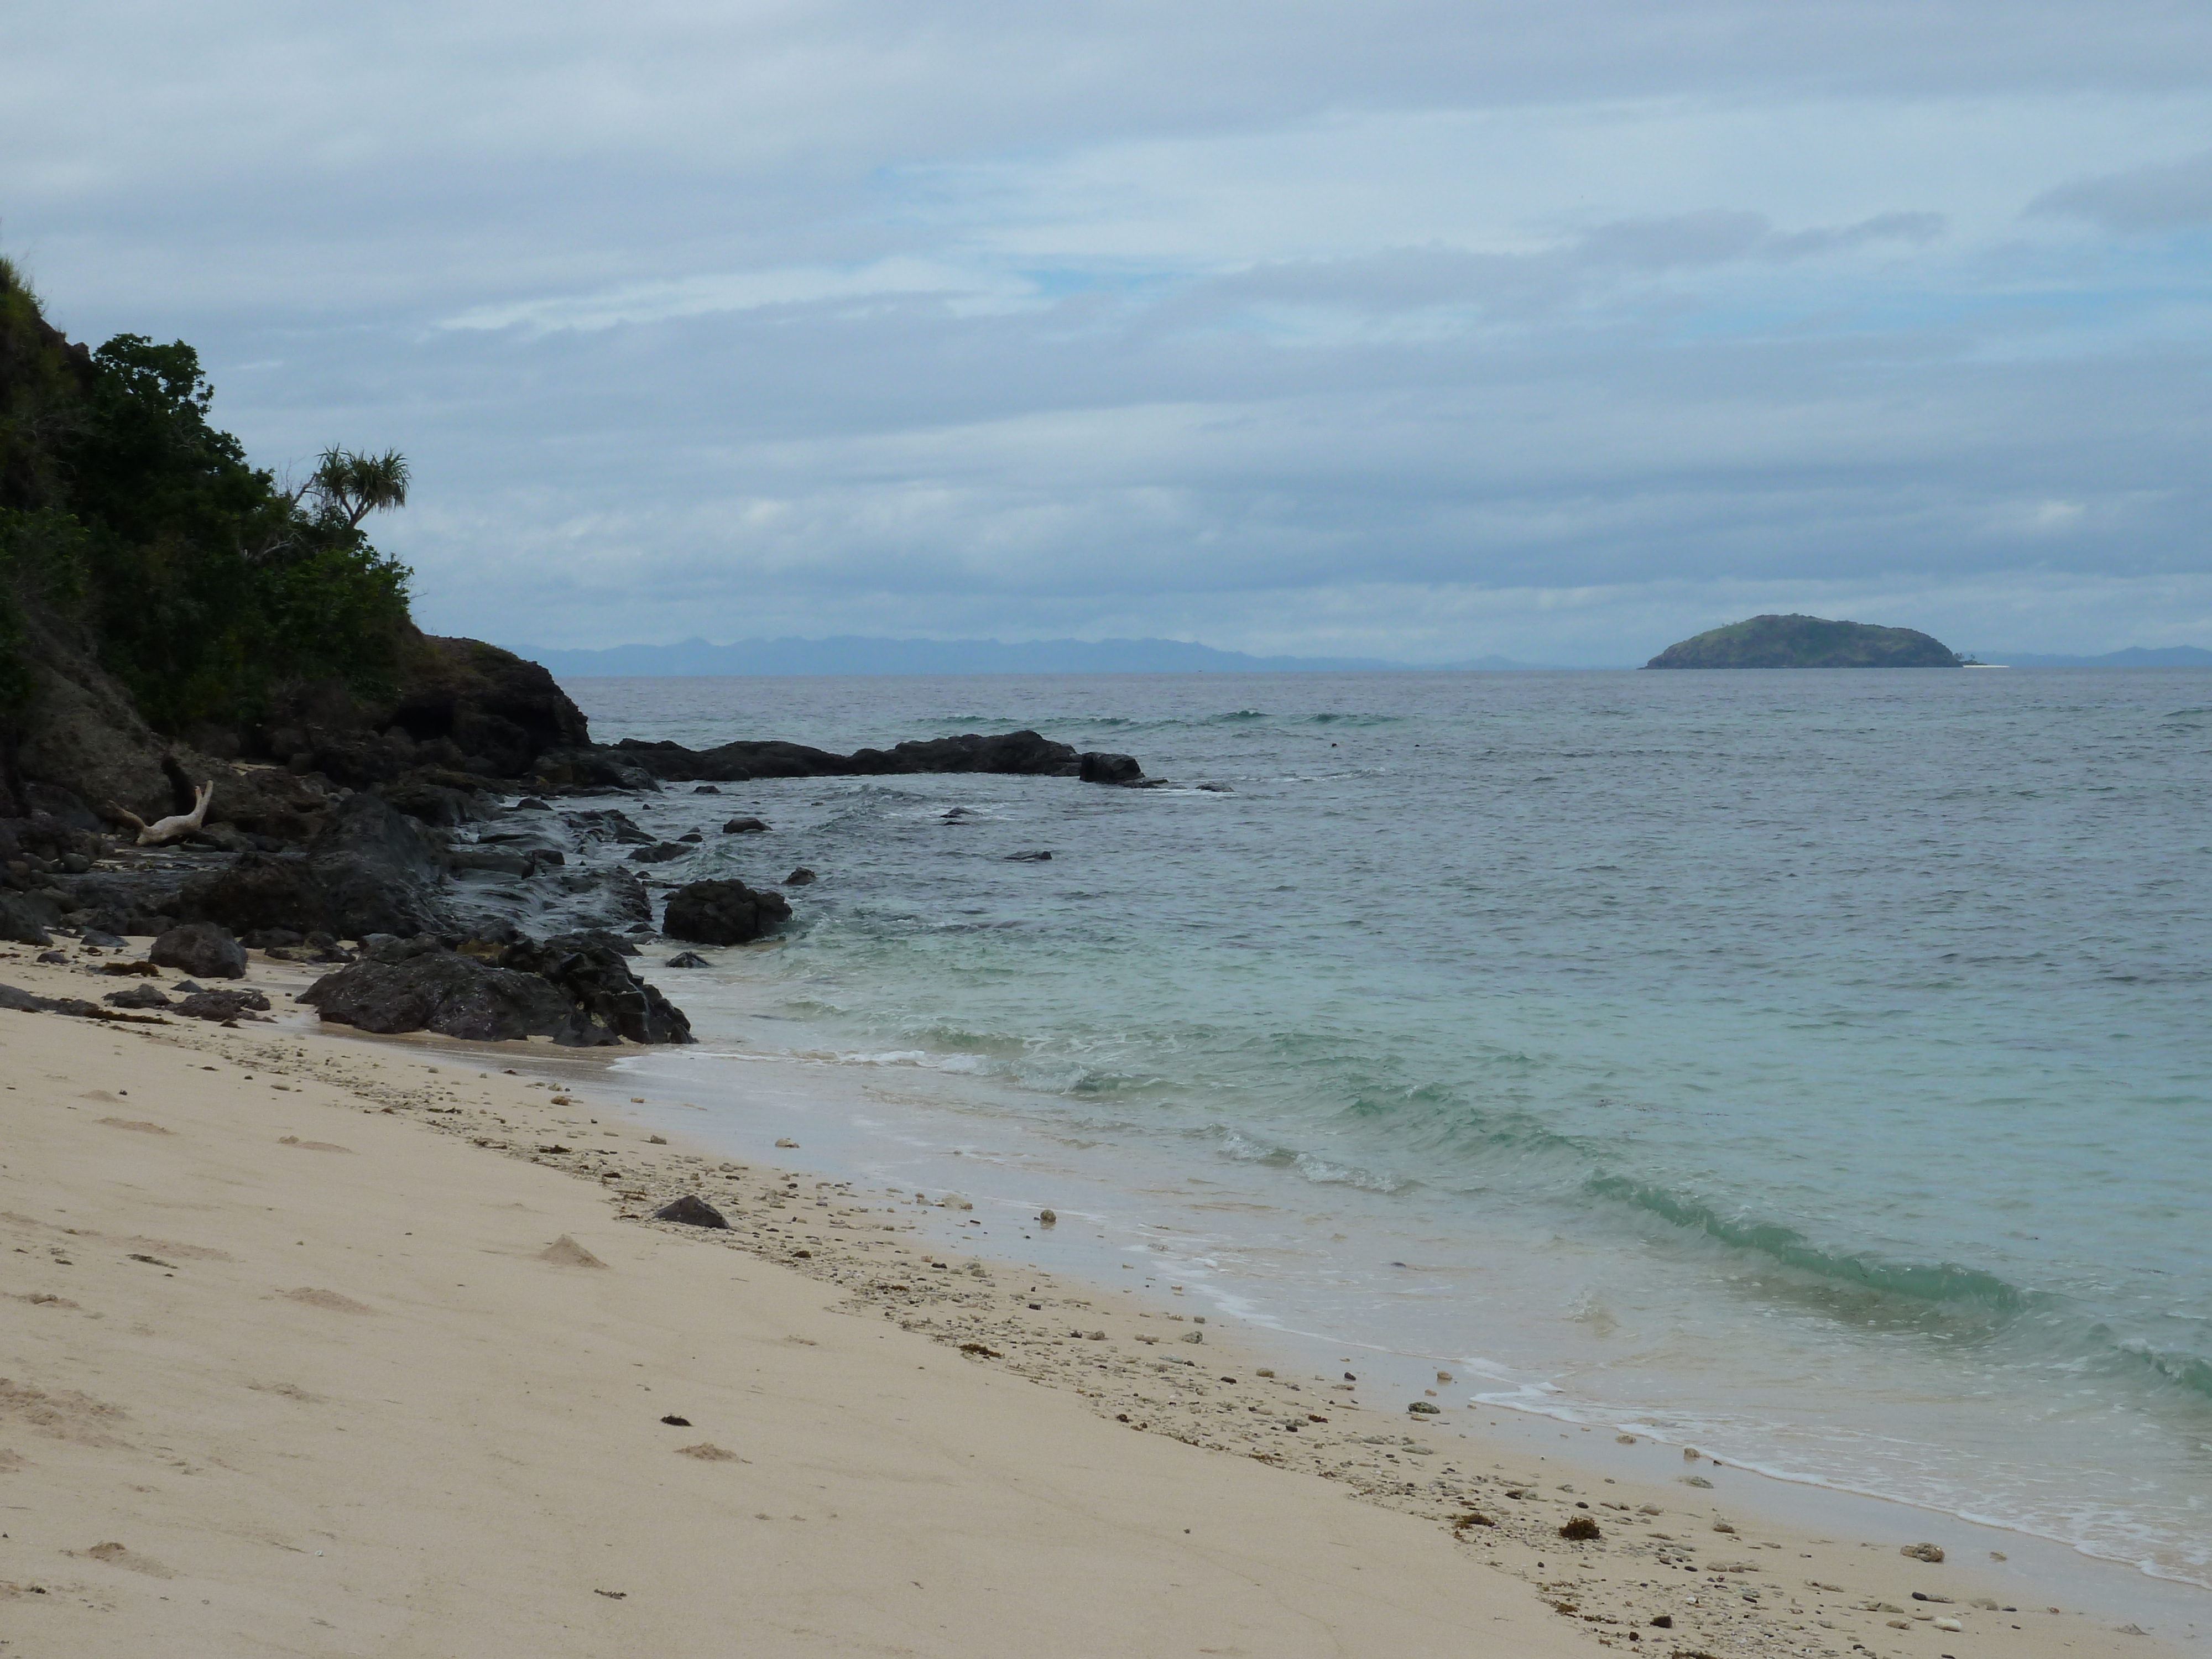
[{"x": 128, "y": 518}]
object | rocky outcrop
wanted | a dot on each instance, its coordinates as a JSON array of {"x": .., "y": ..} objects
[
  {"x": 25, "y": 918},
  {"x": 369, "y": 870},
  {"x": 1017, "y": 752},
  {"x": 440, "y": 991},
  {"x": 1796, "y": 641},
  {"x": 723, "y": 912},
  {"x": 608, "y": 1000}
]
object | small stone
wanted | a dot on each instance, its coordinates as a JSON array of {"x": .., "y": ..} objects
[
  {"x": 1694, "y": 1480},
  {"x": 1625, "y": 1439},
  {"x": 1664, "y": 1621},
  {"x": 1423, "y": 1408},
  {"x": 1949, "y": 1624},
  {"x": 1192, "y": 1336},
  {"x": 686, "y": 959},
  {"x": 788, "y": 1144},
  {"x": 691, "y": 1210},
  {"x": 1931, "y": 1553},
  {"x": 676, "y": 1422},
  {"x": 1046, "y": 1218},
  {"x": 1444, "y": 1377}
]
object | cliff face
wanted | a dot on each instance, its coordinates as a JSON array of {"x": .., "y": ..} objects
[{"x": 1806, "y": 642}]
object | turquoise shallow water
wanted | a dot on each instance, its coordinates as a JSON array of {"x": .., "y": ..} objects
[{"x": 1809, "y": 1065}]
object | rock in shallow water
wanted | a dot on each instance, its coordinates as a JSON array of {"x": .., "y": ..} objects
[{"x": 723, "y": 912}]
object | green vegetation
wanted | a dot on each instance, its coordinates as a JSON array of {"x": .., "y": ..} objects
[
  {"x": 133, "y": 528},
  {"x": 1806, "y": 642}
]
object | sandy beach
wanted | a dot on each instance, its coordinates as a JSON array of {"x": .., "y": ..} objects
[{"x": 323, "y": 1346}]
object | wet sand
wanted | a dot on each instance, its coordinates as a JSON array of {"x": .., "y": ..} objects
[{"x": 317, "y": 1344}]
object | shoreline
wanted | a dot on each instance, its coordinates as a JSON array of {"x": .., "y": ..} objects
[{"x": 876, "y": 1254}]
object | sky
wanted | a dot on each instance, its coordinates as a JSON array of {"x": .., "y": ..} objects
[{"x": 1400, "y": 329}]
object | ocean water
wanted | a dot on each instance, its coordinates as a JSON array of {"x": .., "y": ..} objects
[{"x": 1813, "y": 1067}]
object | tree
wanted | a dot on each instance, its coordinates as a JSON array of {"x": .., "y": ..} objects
[{"x": 358, "y": 485}]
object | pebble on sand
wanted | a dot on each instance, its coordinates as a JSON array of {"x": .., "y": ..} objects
[{"x": 1928, "y": 1552}]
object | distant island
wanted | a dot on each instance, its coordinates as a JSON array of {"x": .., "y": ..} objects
[{"x": 1806, "y": 642}]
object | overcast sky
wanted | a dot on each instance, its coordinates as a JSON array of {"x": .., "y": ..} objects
[{"x": 1391, "y": 328}]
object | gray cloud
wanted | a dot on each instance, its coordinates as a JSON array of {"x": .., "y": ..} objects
[{"x": 2167, "y": 196}]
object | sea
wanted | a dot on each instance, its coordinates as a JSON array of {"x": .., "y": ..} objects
[{"x": 1810, "y": 1067}]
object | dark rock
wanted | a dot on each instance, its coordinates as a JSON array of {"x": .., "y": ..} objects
[
  {"x": 1664, "y": 1621},
  {"x": 201, "y": 948},
  {"x": 1095, "y": 768},
  {"x": 453, "y": 995},
  {"x": 531, "y": 804},
  {"x": 686, "y": 959},
  {"x": 390, "y": 948},
  {"x": 692, "y": 836},
  {"x": 435, "y": 803},
  {"x": 22, "y": 1002},
  {"x": 802, "y": 877},
  {"x": 706, "y": 789},
  {"x": 723, "y": 912},
  {"x": 93, "y": 938},
  {"x": 376, "y": 870},
  {"x": 608, "y": 897},
  {"x": 691, "y": 1210},
  {"x": 220, "y": 1006},
  {"x": 53, "y": 958},
  {"x": 745, "y": 826},
  {"x": 1795, "y": 642},
  {"x": 608, "y": 823},
  {"x": 186, "y": 987},
  {"x": 1018, "y": 752},
  {"x": 261, "y": 939},
  {"x": 606, "y": 998},
  {"x": 25, "y": 917},
  {"x": 661, "y": 853},
  {"x": 498, "y": 710},
  {"x": 138, "y": 996},
  {"x": 1029, "y": 857},
  {"x": 501, "y": 860}
]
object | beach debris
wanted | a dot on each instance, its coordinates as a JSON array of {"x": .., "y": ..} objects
[
  {"x": 1046, "y": 1218},
  {"x": 1444, "y": 1377},
  {"x": 565, "y": 1252},
  {"x": 676, "y": 1422},
  {"x": 1722, "y": 1526},
  {"x": 1694, "y": 1480},
  {"x": 1192, "y": 1336},
  {"x": 691, "y": 1210},
  {"x": 1691, "y": 1454},
  {"x": 983, "y": 1352},
  {"x": 613, "y": 1595},
  {"x": 788, "y": 1144},
  {"x": 1625, "y": 1439},
  {"x": 707, "y": 1452},
  {"x": 1931, "y": 1553},
  {"x": 1580, "y": 1530},
  {"x": 1664, "y": 1621},
  {"x": 169, "y": 829},
  {"x": 1472, "y": 1519},
  {"x": 1423, "y": 1408}
]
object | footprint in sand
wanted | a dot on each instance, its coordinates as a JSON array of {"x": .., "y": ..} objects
[
  {"x": 116, "y": 1555},
  {"x": 330, "y": 1299}
]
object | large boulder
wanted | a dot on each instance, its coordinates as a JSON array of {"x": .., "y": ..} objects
[
  {"x": 376, "y": 872},
  {"x": 723, "y": 912},
  {"x": 204, "y": 950},
  {"x": 260, "y": 893},
  {"x": 453, "y": 995},
  {"x": 609, "y": 1000}
]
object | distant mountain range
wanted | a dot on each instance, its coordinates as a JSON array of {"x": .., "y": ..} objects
[
  {"x": 856, "y": 654},
  {"x": 860, "y": 654},
  {"x": 2135, "y": 656}
]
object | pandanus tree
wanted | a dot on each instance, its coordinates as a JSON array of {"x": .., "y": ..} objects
[{"x": 358, "y": 485}]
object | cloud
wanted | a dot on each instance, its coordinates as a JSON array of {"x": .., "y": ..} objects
[{"x": 2164, "y": 195}]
